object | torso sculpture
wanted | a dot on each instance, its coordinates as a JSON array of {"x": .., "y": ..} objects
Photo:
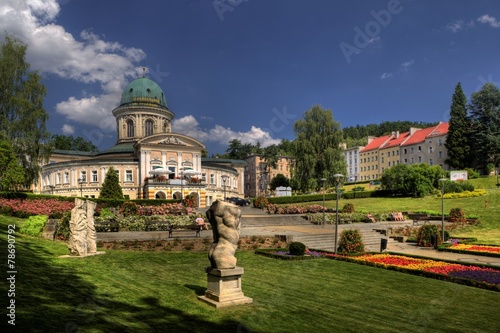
[{"x": 224, "y": 218}]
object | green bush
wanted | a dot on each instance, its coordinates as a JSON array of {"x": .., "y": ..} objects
[
  {"x": 348, "y": 208},
  {"x": 424, "y": 235},
  {"x": 129, "y": 208},
  {"x": 457, "y": 215},
  {"x": 107, "y": 213},
  {"x": 34, "y": 225},
  {"x": 297, "y": 249},
  {"x": 350, "y": 242},
  {"x": 63, "y": 227}
]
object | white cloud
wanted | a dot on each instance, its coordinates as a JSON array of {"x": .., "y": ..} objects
[
  {"x": 405, "y": 65},
  {"x": 455, "y": 26},
  {"x": 386, "y": 76},
  {"x": 188, "y": 125},
  {"x": 86, "y": 58},
  {"x": 489, "y": 20},
  {"x": 68, "y": 129}
]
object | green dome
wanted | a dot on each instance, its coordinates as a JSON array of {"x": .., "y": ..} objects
[{"x": 143, "y": 90}]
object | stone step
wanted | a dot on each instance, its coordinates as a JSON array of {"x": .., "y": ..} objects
[
  {"x": 269, "y": 220},
  {"x": 326, "y": 242}
]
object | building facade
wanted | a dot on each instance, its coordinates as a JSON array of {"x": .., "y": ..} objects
[
  {"x": 152, "y": 162},
  {"x": 258, "y": 177},
  {"x": 412, "y": 147}
]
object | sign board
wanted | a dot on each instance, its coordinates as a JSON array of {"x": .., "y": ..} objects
[
  {"x": 458, "y": 175},
  {"x": 282, "y": 191}
]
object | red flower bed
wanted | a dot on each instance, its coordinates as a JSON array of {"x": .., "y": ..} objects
[{"x": 37, "y": 206}]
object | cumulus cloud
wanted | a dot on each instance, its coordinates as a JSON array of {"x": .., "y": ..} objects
[
  {"x": 68, "y": 129},
  {"x": 219, "y": 134},
  {"x": 489, "y": 20},
  {"x": 86, "y": 58}
]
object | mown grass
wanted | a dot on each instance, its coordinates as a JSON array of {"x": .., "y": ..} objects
[
  {"x": 137, "y": 291},
  {"x": 487, "y": 232}
]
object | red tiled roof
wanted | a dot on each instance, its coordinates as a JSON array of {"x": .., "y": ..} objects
[
  {"x": 429, "y": 132},
  {"x": 395, "y": 141},
  {"x": 376, "y": 143}
]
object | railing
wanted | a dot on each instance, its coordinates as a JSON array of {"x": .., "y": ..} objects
[{"x": 174, "y": 182}]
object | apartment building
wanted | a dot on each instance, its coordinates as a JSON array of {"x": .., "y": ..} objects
[
  {"x": 258, "y": 177},
  {"x": 426, "y": 146},
  {"x": 352, "y": 156}
]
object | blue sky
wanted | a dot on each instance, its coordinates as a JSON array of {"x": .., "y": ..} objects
[{"x": 249, "y": 69}]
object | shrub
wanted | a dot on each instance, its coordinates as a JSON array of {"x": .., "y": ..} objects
[
  {"x": 348, "y": 208},
  {"x": 63, "y": 227},
  {"x": 424, "y": 235},
  {"x": 457, "y": 215},
  {"x": 297, "y": 249},
  {"x": 129, "y": 208},
  {"x": 260, "y": 202},
  {"x": 350, "y": 242},
  {"x": 34, "y": 225},
  {"x": 107, "y": 213}
]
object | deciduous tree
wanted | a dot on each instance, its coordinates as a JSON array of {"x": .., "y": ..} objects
[
  {"x": 22, "y": 116},
  {"x": 318, "y": 151}
]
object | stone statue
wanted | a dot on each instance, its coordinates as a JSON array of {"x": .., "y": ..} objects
[
  {"x": 82, "y": 239},
  {"x": 224, "y": 218}
]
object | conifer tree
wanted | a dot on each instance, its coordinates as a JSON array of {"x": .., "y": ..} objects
[
  {"x": 457, "y": 141},
  {"x": 111, "y": 188}
]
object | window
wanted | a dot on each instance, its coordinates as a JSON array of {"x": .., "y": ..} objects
[
  {"x": 420, "y": 159},
  {"x": 431, "y": 162},
  {"x": 83, "y": 176},
  {"x": 212, "y": 179},
  {"x": 66, "y": 178},
  {"x": 94, "y": 176},
  {"x": 130, "y": 129},
  {"x": 148, "y": 127},
  {"x": 411, "y": 150},
  {"x": 419, "y": 148},
  {"x": 405, "y": 151},
  {"x": 431, "y": 150},
  {"x": 128, "y": 175},
  {"x": 440, "y": 142},
  {"x": 58, "y": 178},
  {"x": 204, "y": 177},
  {"x": 440, "y": 154}
]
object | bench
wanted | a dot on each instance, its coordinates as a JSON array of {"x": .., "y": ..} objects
[
  {"x": 419, "y": 217},
  {"x": 166, "y": 226},
  {"x": 106, "y": 226}
]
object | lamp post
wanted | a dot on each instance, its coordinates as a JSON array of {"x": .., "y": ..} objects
[
  {"x": 324, "y": 208},
  {"x": 80, "y": 181},
  {"x": 51, "y": 189},
  {"x": 224, "y": 178},
  {"x": 337, "y": 176},
  {"x": 442, "y": 180}
]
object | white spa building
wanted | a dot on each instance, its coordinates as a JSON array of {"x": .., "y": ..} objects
[{"x": 145, "y": 143}]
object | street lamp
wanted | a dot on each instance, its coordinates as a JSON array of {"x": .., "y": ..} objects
[
  {"x": 337, "y": 176},
  {"x": 80, "y": 181},
  {"x": 224, "y": 178},
  {"x": 51, "y": 189},
  {"x": 442, "y": 180},
  {"x": 324, "y": 208}
]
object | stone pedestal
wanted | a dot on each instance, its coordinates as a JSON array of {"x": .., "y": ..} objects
[{"x": 224, "y": 288}]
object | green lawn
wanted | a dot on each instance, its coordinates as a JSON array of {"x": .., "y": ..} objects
[
  {"x": 487, "y": 232},
  {"x": 132, "y": 291}
]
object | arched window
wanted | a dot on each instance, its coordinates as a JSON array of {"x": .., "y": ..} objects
[
  {"x": 148, "y": 127},
  {"x": 130, "y": 129}
]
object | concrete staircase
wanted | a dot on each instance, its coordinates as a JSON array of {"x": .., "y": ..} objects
[
  {"x": 371, "y": 239},
  {"x": 270, "y": 220}
]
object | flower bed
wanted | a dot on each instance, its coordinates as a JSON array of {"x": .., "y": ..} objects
[
  {"x": 25, "y": 208},
  {"x": 482, "y": 277},
  {"x": 476, "y": 249}
]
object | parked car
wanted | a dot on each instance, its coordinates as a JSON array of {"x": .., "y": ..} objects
[{"x": 238, "y": 201}]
